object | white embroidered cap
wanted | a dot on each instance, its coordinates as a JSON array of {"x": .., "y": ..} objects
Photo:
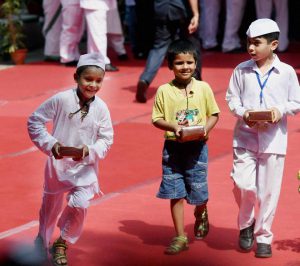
[
  {"x": 262, "y": 26},
  {"x": 91, "y": 59}
]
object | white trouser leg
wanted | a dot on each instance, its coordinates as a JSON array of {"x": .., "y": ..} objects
[
  {"x": 269, "y": 179},
  {"x": 264, "y": 10},
  {"x": 211, "y": 14},
  {"x": 234, "y": 15},
  {"x": 97, "y": 32},
  {"x": 73, "y": 217},
  {"x": 50, "y": 8},
  {"x": 116, "y": 41},
  {"x": 50, "y": 210},
  {"x": 71, "y": 34},
  {"x": 282, "y": 18},
  {"x": 244, "y": 176},
  {"x": 257, "y": 176}
]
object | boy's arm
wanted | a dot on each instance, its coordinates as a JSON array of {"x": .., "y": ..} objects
[
  {"x": 233, "y": 96},
  {"x": 36, "y": 126},
  {"x": 211, "y": 122},
  {"x": 164, "y": 125},
  {"x": 99, "y": 149}
]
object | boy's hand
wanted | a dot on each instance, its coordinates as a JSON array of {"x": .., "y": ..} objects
[
  {"x": 277, "y": 115},
  {"x": 246, "y": 119},
  {"x": 55, "y": 151},
  {"x": 85, "y": 152},
  {"x": 180, "y": 125}
]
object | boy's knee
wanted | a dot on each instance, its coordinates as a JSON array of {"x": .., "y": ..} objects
[{"x": 77, "y": 202}]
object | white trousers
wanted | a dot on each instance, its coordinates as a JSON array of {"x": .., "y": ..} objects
[
  {"x": 72, "y": 217},
  {"x": 257, "y": 177},
  {"x": 52, "y": 36},
  {"x": 264, "y": 9},
  {"x": 234, "y": 15},
  {"x": 115, "y": 35},
  {"x": 73, "y": 26}
]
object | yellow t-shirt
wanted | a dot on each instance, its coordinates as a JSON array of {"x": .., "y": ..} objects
[{"x": 172, "y": 106}]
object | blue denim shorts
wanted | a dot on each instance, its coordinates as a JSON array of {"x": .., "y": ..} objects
[{"x": 184, "y": 172}]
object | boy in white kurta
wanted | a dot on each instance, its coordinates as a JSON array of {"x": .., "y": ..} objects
[
  {"x": 259, "y": 148},
  {"x": 80, "y": 119}
]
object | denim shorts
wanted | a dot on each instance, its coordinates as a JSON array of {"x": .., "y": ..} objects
[{"x": 184, "y": 172}]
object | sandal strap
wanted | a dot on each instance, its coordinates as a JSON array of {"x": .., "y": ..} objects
[
  {"x": 58, "y": 244},
  {"x": 178, "y": 244}
]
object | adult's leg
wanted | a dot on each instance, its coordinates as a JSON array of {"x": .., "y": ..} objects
[
  {"x": 270, "y": 172},
  {"x": 97, "y": 32},
  {"x": 115, "y": 35},
  {"x": 234, "y": 15},
  {"x": 72, "y": 29},
  {"x": 282, "y": 18},
  {"x": 163, "y": 38},
  {"x": 210, "y": 29},
  {"x": 53, "y": 15}
]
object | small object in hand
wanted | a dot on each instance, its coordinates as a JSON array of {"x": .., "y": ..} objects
[
  {"x": 261, "y": 116},
  {"x": 72, "y": 152},
  {"x": 192, "y": 133}
]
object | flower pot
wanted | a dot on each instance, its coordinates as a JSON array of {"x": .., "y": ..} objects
[{"x": 18, "y": 57}]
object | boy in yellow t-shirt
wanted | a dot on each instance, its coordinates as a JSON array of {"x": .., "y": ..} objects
[{"x": 184, "y": 102}]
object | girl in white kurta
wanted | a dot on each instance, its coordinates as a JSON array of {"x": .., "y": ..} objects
[
  {"x": 259, "y": 149},
  {"x": 80, "y": 119}
]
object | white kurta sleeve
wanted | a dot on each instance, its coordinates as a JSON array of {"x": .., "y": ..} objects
[
  {"x": 37, "y": 125},
  {"x": 233, "y": 95},
  {"x": 293, "y": 105},
  {"x": 105, "y": 133}
]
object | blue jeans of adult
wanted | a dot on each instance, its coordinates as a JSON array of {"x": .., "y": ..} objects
[{"x": 165, "y": 33}]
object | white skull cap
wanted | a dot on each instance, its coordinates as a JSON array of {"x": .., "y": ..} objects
[
  {"x": 262, "y": 26},
  {"x": 91, "y": 59}
]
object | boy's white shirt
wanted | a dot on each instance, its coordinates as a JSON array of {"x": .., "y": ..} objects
[
  {"x": 95, "y": 131},
  {"x": 281, "y": 91}
]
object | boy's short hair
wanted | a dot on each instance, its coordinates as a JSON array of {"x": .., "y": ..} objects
[
  {"x": 262, "y": 28},
  {"x": 270, "y": 37},
  {"x": 181, "y": 46}
]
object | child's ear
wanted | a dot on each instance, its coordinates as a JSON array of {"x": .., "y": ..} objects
[
  {"x": 274, "y": 45},
  {"x": 75, "y": 76}
]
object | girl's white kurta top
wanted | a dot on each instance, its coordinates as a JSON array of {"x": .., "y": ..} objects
[
  {"x": 95, "y": 131},
  {"x": 281, "y": 91}
]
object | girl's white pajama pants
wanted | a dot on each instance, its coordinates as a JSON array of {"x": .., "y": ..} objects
[{"x": 257, "y": 177}]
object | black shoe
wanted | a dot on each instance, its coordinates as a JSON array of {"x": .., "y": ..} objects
[
  {"x": 201, "y": 226},
  {"x": 141, "y": 92},
  {"x": 263, "y": 251},
  {"x": 71, "y": 63},
  {"x": 111, "y": 68},
  {"x": 246, "y": 238},
  {"x": 123, "y": 57}
]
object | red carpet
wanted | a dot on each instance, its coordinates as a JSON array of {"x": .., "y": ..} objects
[{"x": 129, "y": 225}]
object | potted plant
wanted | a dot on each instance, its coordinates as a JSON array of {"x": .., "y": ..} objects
[{"x": 11, "y": 27}]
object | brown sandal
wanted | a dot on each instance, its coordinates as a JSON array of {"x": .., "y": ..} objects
[
  {"x": 201, "y": 226},
  {"x": 59, "y": 255}
]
